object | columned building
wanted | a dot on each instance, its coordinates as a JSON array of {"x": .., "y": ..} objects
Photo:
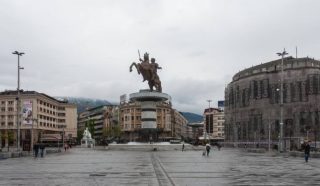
[
  {"x": 42, "y": 119},
  {"x": 130, "y": 121},
  {"x": 252, "y": 103},
  {"x": 170, "y": 123}
]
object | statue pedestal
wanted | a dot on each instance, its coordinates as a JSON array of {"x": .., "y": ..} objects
[
  {"x": 148, "y": 102},
  {"x": 87, "y": 143},
  {"x": 86, "y": 140}
]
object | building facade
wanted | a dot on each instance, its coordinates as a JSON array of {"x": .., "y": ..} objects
[
  {"x": 214, "y": 124},
  {"x": 170, "y": 123},
  {"x": 197, "y": 131},
  {"x": 180, "y": 127},
  {"x": 252, "y": 103},
  {"x": 42, "y": 118},
  {"x": 103, "y": 118}
]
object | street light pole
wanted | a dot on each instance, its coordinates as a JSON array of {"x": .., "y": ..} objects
[
  {"x": 18, "y": 99},
  {"x": 282, "y": 54},
  {"x": 209, "y": 101}
]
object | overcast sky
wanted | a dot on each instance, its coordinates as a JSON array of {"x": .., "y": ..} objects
[{"x": 84, "y": 48}]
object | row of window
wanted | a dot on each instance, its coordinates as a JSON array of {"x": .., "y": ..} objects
[
  {"x": 10, "y": 124},
  {"x": 139, "y": 110},
  {"x": 50, "y": 105},
  {"x": 9, "y": 102},
  {"x": 8, "y": 116},
  {"x": 43, "y": 124},
  {"x": 127, "y": 118},
  {"x": 10, "y": 109}
]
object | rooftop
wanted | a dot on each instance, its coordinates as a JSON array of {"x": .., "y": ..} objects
[
  {"x": 22, "y": 92},
  {"x": 274, "y": 66}
]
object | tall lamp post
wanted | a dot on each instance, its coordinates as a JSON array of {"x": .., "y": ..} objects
[
  {"x": 282, "y": 54},
  {"x": 18, "y": 99},
  {"x": 209, "y": 101}
]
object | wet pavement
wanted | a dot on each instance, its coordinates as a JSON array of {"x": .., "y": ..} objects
[{"x": 100, "y": 167}]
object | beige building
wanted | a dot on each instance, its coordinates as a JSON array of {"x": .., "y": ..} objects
[
  {"x": 180, "y": 125},
  {"x": 170, "y": 123},
  {"x": 214, "y": 124},
  {"x": 43, "y": 118}
]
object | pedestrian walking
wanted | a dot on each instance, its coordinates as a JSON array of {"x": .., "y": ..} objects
[
  {"x": 36, "y": 150},
  {"x": 65, "y": 147},
  {"x": 42, "y": 147},
  {"x": 182, "y": 147},
  {"x": 306, "y": 151},
  {"x": 208, "y": 149}
]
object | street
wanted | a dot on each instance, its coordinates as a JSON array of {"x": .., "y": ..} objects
[{"x": 101, "y": 167}]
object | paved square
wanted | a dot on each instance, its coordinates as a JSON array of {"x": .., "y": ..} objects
[{"x": 99, "y": 167}]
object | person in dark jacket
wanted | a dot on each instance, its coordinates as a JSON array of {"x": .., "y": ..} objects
[
  {"x": 306, "y": 151},
  {"x": 36, "y": 150},
  {"x": 42, "y": 147},
  {"x": 208, "y": 149}
]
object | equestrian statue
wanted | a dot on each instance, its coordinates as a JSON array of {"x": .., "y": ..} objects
[{"x": 148, "y": 71}]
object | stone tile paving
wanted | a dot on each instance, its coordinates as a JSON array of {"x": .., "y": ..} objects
[{"x": 98, "y": 167}]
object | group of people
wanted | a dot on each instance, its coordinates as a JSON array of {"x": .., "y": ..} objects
[
  {"x": 38, "y": 147},
  {"x": 67, "y": 146}
]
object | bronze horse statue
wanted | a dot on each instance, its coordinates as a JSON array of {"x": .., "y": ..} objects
[{"x": 148, "y": 73}]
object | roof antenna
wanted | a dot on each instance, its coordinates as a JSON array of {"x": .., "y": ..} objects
[{"x": 296, "y": 52}]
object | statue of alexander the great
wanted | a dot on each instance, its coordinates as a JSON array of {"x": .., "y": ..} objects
[{"x": 148, "y": 71}]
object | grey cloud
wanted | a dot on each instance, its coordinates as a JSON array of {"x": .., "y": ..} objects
[{"x": 81, "y": 48}]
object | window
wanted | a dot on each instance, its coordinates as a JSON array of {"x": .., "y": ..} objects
[
  {"x": 10, "y": 109},
  {"x": 10, "y": 102}
]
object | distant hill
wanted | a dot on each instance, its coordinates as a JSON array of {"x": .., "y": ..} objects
[
  {"x": 85, "y": 103},
  {"x": 192, "y": 117}
]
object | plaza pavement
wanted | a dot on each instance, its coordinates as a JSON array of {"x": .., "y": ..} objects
[{"x": 107, "y": 167}]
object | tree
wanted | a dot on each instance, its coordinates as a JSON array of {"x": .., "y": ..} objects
[
  {"x": 79, "y": 135},
  {"x": 117, "y": 131},
  {"x": 111, "y": 132},
  {"x": 8, "y": 136},
  {"x": 90, "y": 126}
]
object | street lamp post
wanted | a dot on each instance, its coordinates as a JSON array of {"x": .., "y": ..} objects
[
  {"x": 282, "y": 54},
  {"x": 18, "y": 99},
  {"x": 209, "y": 101},
  {"x": 31, "y": 141}
]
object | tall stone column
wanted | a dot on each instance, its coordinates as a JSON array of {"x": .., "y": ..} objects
[{"x": 148, "y": 100}]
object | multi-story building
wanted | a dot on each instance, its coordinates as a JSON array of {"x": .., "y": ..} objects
[
  {"x": 42, "y": 118},
  {"x": 102, "y": 117},
  {"x": 252, "y": 103},
  {"x": 214, "y": 124},
  {"x": 170, "y": 123},
  {"x": 197, "y": 131},
  {"x": 180, "y": 127}
]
